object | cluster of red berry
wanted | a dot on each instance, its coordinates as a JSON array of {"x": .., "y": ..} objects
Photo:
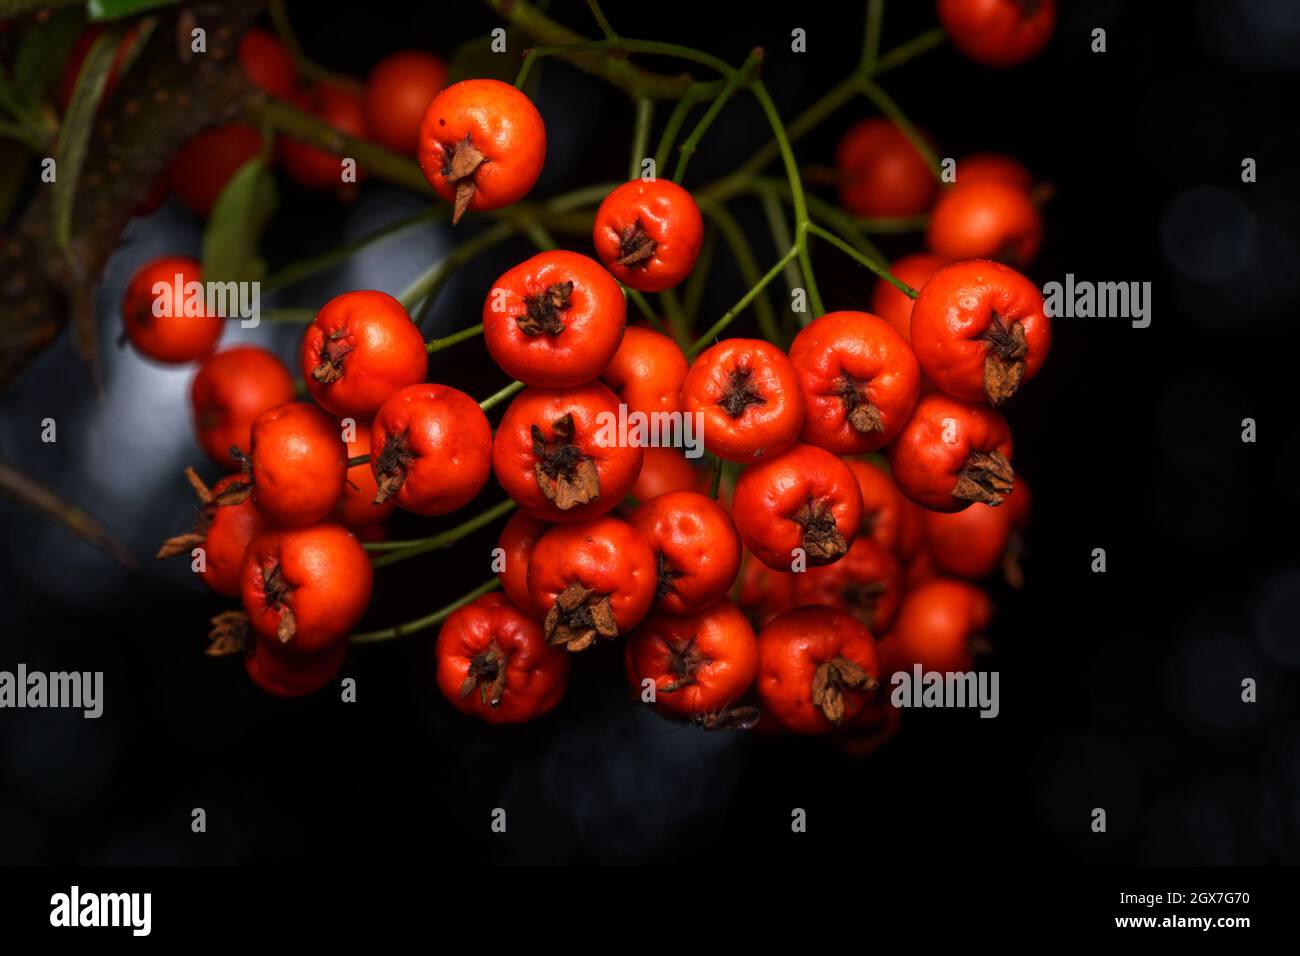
[{"x": 817, "y": 542}]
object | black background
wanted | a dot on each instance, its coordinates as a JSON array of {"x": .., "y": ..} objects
[{"x": 1119, "y": 690}]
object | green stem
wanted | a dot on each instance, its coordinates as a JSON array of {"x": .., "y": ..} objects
[
  {"x": 716, "y": 484},
  {"x": 288, "y": 315},
  {"x": 429, "y": 620},
  {"x": 887, "y": 106},
  {"x": 358, "y": 460},
  {"x": 432, "y": 279},
  {"x": 861, "y": 259},
  {"x": 446, "y": 539},
  {"x": 675, "y": 316},
  {"x": 735, "y": 80},
  {"x": 921, "y": 43},
  {"x": 437, "y": 345},
  {"x": 676, "y": 119},
  {"x": 645, "y": 112},
  {"x": 643, "y": 306},
  {"x": 716, "y": 329},
  {"x": 745, "y": 262},
  {"x": 796, "y": 194},
  {"x": 496, "y": 399},
  {"x": 601, "y": 21},
  {"x": 297, "y": 271},
  {"x": 871, "y": 41},
  {"x": 693, "y": 293}
]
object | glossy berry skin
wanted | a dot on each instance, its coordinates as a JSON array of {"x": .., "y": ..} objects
[
  {"x": 286, "y": 674},
  {"x": 360, "y": 349},
  {"x": 994, "y": 168},
  {"x": 970, "y": 543},
  {"x": 936, "y": 623},
  {"x": 998, "y": 32},
  {"x": 518, "y": 538},
  {"x": 555, "y": 454},
  {"x": 895, "y": 307},
  {"x": 647, "y": 372},
  {"x": 554, "y": 320},
  {"x": 985, "y": 220},
  {"x": 667, "y": 469},
  {"x": 817, "y": 669},
  {"x": 231, "y": 527},
  {"x": 882, "y": 504},
  {"x": 867, "y": 583},
  {"x": 206, "y": 163},
  {"x": 594, "y": 580},
  {"x": 749, "y": 395},
  {"x": 859, "y": 380},
  {"x": 700, "y": 663},
  {"x": 172, "y": 337},
  {"x": 805, "y": 498},
  {"x": 951, "y": 453},
  {"x": 357, "y": 508},
  {"x": 494, "y": 664},
  {"x": 430, "y": 449},
  {"x": 310, "y": 166},
  {"x": 267, "y": 63},
  {"x": 980, "y": 331},
  {"x": 306, "y": 587},
  {"x": 649, "y": 234},
  {"x": 881, "y": 173},
  {"x": 482, "y": 145},
  {"x": 299, "y": 464},
  {"x": 231, "y": 389},
  {"x": 697, "y": 549},
  {"x": 400, "y": 89}
]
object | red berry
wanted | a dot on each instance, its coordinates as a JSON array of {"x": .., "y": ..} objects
[
  {"x": 231, "y": 389},
  {"x": 430, "y": 449},
  {"x": 286, "y": 674},
  {"x": 951, "y": 453},
  {"x": 306, "y": 587},
  {"x": 267, "y": 62},
  {"x": 204, "y": 165},
  {"x": 697, "y": 550},
  {"x": 554, "y": 320},
  {"x": 998, "y": 32},
  {"x": 494, "y": 664},
  {"x": 482, "y": 145},
  {"x": 748, "y": 393},
  {"x": 298, "y": 464},
  {"x": 400, "y": 89},
  {"x": 649, "y": 234},
  {"x": 803, "y": 498},
  {"x": 311, "y": 166},
  {"x": 881, "y": 173},
  {"x": 859, "y": 380},
  {"x": 164, "y": 317},
  {"x": 817, "y": 669},
  {"x": 361, "y": 348},
  {"x": 558, "y": 455},
  {"x": 595, "y": 579}
]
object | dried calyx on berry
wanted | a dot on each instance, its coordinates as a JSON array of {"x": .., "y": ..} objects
[
  {"x": 1004, "y": 365},
  {"x": 863, "y": 416},
  {"x": 821, "y": 539},
  {"x": 392, "y": 466},
  {"x": 544, "y": 311},
  {"x": 830, "y": 681},
  {"x": 487, "y": 675},
  {"x": 579, "y": 616},
  {"x": 184, "y": 543},
  {"x": 986, "y": 477},
  {"x": 460, "y": 163},
  {"x": 635, "y": 247},
  {"x": 740, "y": 393},
  {"x": 565, "y": 475}
]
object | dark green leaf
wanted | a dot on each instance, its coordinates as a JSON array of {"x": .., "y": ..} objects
[
  {"x": 43, "y": 52},
  {"x": 235, "y": 226},
  {"x": 116, "y": 9},
  {"x": 74, "y": 133}
]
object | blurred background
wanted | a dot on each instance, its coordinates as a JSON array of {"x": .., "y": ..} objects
[{"x": 1119, "y": 690}]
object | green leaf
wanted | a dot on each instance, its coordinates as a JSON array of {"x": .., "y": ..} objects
[
  {"x": 235, "y": 227},
  {"x": 117, "y": 9},
  {"x": 43, "y": 52},
  {"x": 74, "y": 133}
]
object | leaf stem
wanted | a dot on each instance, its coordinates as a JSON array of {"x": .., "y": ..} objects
[
  {"x": 409, "y": 549},
  {"x": 717, "y": 327},
  {"x": 429, "y": 620},
  {"x": 497, "y": 398},
  {"x": 861, "y": 259},
  {"x": 437, "y": 345}
]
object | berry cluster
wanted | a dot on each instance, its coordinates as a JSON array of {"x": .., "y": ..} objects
[{"x": 861, "y": 479}]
